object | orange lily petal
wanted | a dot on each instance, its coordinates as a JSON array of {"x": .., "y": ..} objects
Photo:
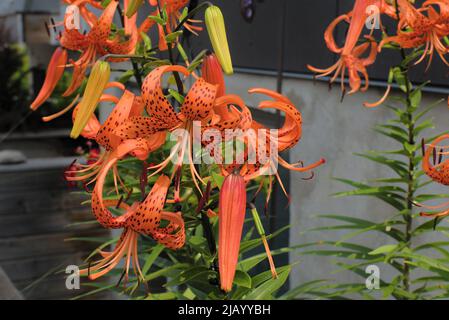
[{"x": 55, "y": 71}]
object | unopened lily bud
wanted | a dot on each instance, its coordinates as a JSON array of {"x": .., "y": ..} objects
[
  {"x": 96, "y": 84},
  {"x": 132, "y": 7},
  {"x": 212, "y": 72},
  {"x": 231, "y": 216},
  {"x": 217, "y": 34}
]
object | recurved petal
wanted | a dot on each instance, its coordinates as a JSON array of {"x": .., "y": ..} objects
[
  {"x": 55, "y": 71},
  {"x": 119, "y": 115},
  {"x": 101, "y": 30},
  {"x": 173, "y": 235},
  {"x": 199, "y": 101},
  {"x": 156, "y": 103},
  {"x": 140, "y": 127},
  {"x": 148, "y": 214},
  {"x": 99, "y": 209}
]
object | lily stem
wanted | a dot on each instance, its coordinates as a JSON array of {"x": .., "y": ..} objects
[
  {"x": 137, "y": 74},
  {"x": 178, "y": 80},
  {"x": 408, "y": 215}
]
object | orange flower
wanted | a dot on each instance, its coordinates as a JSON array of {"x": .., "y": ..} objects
[
  {"x": 128, "y": 106},
  {"x": 232, "y": 203},
  {"x": 437, "y": 172},
  {"x": 98, "y": 41},
  {"x": 351, "y": 54},
  {"x": 140, "y": 218},
  {"x": 200, "y": 104},
  {"x": 173, "y": 9},
  {"x": 232, "y": 208},
  {"x": 287, "y": 137},
  {"x": 415, "y": 28}
]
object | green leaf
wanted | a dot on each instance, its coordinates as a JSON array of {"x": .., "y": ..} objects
[
  {"x": 146, "y": 41},
  {"x": 399, "y": 167},
  {"x": 218, "y": 179},
  {"x": 415, "y": 97},
  {"x": 301, "y": 289},
  {"x": 426, "y": 124},
  {"x": 410, "y": 147},
  {"x": 254, "y": 243},
  {"x": 400, "y": 79},
  {"x": 429, "y": 108},
  {"x": 175, "y": 94},
  {"x": 172, "y": 37},
  {"x": 157, "y": 19},
  {"x": 384, "y": 249},
  {"x": 166, "y": 271},
  {"x": 190, "y": 274},
  {"x": 105, "y": 3},
  {"x": 124, "y": 78},
  {"x": 268, "y": 288},
  {"x": 155, "y": 252},
  {"x": 242, "y": 279}
]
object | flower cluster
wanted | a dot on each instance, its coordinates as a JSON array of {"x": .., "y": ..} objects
[
  {"x": 426, "y": 26},
  {"x": 143, "y": 122}
]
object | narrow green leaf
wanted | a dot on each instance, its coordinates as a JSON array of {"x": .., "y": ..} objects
[{"x": 384, "y": 249}]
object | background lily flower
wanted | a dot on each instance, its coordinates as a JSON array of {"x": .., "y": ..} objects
[
  {"x": 98, "y": 41},
  {"x": 351, "y": 54},
  {"x": 173, "y": 9},
  {"x": 438, "y": 172},
  {"x": 415, "y": 28}
]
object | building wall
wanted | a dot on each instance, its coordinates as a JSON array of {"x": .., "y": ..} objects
[{"x": 335, "y": 131}]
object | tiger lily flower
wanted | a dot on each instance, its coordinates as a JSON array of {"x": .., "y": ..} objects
[
  {"x": 232, "y": 202},
  {"x": 104, "y": 134},
  {"x": 173, "y": 9},
  {"x": 351, "y": 54},
  {"x": 200, "y": 104},
  {"x": 437, "y": 172},
  {"x": 140, "y": 218},
  {"x": 415, "y": 28},
  {"x": 287, "y": 137},
  {"x": 98, "y": 41}
]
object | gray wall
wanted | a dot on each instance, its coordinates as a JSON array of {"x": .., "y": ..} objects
[{"x": 333, "y": 130}]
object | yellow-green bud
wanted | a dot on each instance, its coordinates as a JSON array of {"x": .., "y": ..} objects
[
  {"x": 133, "y": 6},
  {"x": 98, "y": 79},
  {"x": 217, "y": 34}
]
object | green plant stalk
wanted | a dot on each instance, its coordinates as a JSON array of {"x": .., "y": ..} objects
[
  {"x": 178, "y": 80},
  {"x": 408, "y": 216}
]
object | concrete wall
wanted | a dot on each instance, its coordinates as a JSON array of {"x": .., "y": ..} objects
[{"x": 334, "y": 130}]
